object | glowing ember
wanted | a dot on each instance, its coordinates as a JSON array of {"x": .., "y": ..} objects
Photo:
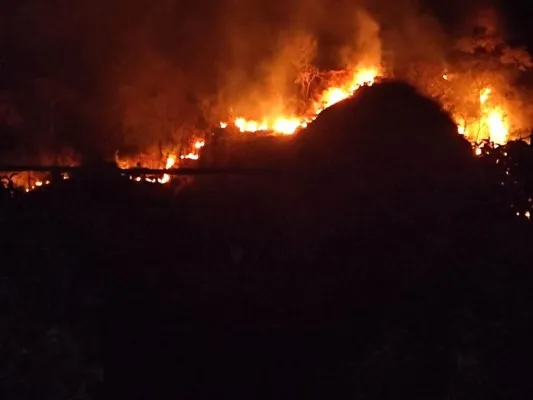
[{"x": 164, "y": 179}]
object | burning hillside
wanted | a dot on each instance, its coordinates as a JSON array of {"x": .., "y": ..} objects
[
  {"x": 488, "y": 118},
  {"x": 288, "y": 124},
  {"x": 474, "y": 84},
  {"x": 475, "y": 80}
]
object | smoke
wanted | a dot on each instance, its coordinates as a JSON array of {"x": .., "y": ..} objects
[
  {"x": 266, "y": 56},
  {"x": 265, "y": 43},
  {"x": 258, "y": 76},
  {"x": 239, "y": 55},
  {"x": 367, "y": 43}
]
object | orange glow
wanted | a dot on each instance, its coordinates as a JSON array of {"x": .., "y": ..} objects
[
  {"x": 491, "y": 122},
  {"x": 171, "y": 160},
  {"x": 190, "y": 156},
  {"x": 287, "y": 125}
]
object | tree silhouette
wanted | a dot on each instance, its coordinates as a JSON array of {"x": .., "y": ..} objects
[{"x": 301, "y": 49}]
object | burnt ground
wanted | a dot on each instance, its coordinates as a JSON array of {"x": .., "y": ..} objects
[{"x": 239, "y": 289}]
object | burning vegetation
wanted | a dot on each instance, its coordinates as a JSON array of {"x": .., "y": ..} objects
[{"x": 474, "y": 81}]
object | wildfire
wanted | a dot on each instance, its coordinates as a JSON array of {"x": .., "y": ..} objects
[
  {"x": 194, "y": 155},
  {"x": 171, "y": 160},
  {"x": 491, "y": 123},
  {"x": 334, "y": 95},
  {"x": 287, "y": 125},
  {"x": 498, "y": 128},
  {"x": 282, "y": 125},
  {"x": 484, "y": 95}
]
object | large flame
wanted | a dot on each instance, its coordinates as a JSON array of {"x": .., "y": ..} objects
[
  {"x": 491, "y": 123},
  {"x": 288, "y": 124}
]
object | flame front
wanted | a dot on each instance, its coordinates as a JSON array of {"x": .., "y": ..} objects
[
  {"x": 491, "y": 121},
  {"x": 491, "y": 124},
  {"x": 282, "y": 125},
  {"x": 287, "y": 125}
]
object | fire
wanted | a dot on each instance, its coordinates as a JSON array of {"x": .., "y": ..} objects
[
  {"x": 360, "y": 77},
  {"x": 287, "y": 125},
  {"x": 190, "y": 156},
  {"x": 491, "y": 123},
  {"x": 484, "y": 95},
  {"x": 164, "y": 179},
  {"x": 365, "y": 76},
  {"x": 250, "y": 126},
  {"x": 169, "y": 163},
  {"x": 171, "y": 160},
  {"x": 497, "y": 127},
  {"x": 334, "y": 95},
  {"x": 281, "y": 124},
  {"x": 194, "y": 155}
]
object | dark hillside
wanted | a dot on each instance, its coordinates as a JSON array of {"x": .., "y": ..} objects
[
  {"x": 388, "y": 132},
  {"x": 300, "y": 285}
]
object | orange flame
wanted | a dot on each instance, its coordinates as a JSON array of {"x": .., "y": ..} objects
[
  {"x": 491, "y": 123},
  {"x": 287, "y": 125}
]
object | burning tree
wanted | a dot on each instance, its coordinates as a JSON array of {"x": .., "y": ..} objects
[
  {"x": 476, "y": 85},
  {"x": 487, "y": 67},
  {"x": 301, "y": 49}
]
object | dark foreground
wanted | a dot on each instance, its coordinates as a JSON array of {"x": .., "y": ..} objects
[{"x": 221, "y": 292}]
